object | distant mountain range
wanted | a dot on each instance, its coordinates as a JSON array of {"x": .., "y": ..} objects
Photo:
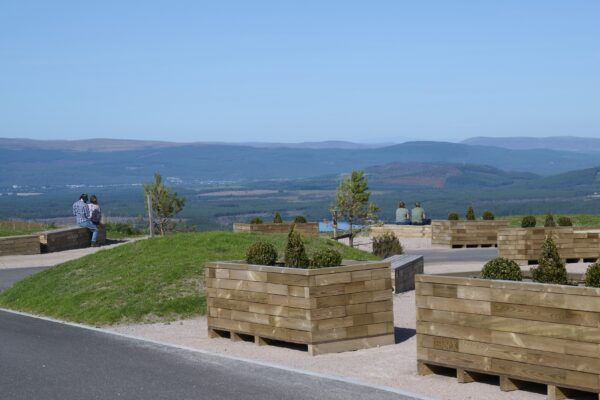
[
  {"x": 110, "y": 145},
  {"x": 562, "y": 143},
  {"x": 25, "y": 164}
]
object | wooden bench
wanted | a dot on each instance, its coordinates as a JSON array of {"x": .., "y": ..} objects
[
  {"x": 73, "y": 237},
  {"x": 19, "y": 245},
  {"x": 404, "y": 268}
]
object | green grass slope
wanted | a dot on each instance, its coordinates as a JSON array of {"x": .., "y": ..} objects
[{"x": 149, "y": 280}]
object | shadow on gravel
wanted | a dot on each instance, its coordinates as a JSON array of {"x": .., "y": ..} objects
[{"x": 403, "y": 334}]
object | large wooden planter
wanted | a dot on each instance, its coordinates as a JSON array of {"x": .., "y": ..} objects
[
  {"x": 466, "y": 233},
  {"x": 19, "y": 245},
  {"x": 69, "y": 238},
  {"x": 329, "y": 310},
  {"x": 309, "y": 228},
  {"x": 533, "y": 332},
  {"x": 524, "y": 245},
  {"x": 403, "y": 231}
]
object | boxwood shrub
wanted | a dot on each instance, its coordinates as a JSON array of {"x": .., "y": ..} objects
[
  {"x": 502, "y": 268},
  {"x": 261, "y": 253}
]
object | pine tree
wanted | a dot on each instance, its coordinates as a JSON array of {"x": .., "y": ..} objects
[{"x": 551, "y": 268}]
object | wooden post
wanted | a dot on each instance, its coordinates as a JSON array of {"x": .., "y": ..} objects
[{"x": 150, "y": 222}]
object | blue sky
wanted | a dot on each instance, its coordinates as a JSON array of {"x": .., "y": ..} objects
[{"x": 376, "y": 71}]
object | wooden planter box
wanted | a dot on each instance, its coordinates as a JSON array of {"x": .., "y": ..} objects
[
  {"x": 466, "y": 233},
  {"x": 524, "y": 245},
  {"x": 73, "y": 237},
  {"x": 308, "y": 229},
  {"x": 330, "y": 309},
  {"x": 19, "y": 245},
  {"x": 520, "y": 331},
  {"x": 403, "y": 231}
]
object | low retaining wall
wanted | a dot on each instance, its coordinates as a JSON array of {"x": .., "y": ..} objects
[
  {"x": 519, "y": 331},
  {"x": 19, "y": 245},
  {"x": 69, "y": 238},
  {"x": 330, "y": 309},
  {"x": 309, "y": 228},
  {"x": 403, "y": 231},
  {"x": 466, "y": 233},
  {"x": 524, "y": 245}
]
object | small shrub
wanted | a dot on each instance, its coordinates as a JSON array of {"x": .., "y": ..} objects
[
  {"x": 502, "y": 268},
  {"x": 387, "y": 245},
  {"x": 592, "y": 275},
  {"x": 122, "y": 228},
  {"x": 325, "y": 257},
  {"x": 549, "y": 221},
  {"x": 277, "y": 218},
  {"x": 299, "y": 219},
  {"x": 261, "y": 253},
  {"x": 528, "y": 221},
  {"x": 453, "y": 216},
  {"x": 551, "y": 268},
  {"x": 565, "y": 221},
  {"x": 256, "y": 221},
  {"x": 470, "y": 216},
  {"x": 488, "y": 216},
  {"x": 295, "y": 253}
]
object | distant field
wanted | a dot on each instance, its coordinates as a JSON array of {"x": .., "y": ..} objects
[
  {"x": 578, "y": 219},
  {"x": 14, "y": 228}
]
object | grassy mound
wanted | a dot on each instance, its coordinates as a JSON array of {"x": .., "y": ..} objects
[{"x": 149, "y": 280}]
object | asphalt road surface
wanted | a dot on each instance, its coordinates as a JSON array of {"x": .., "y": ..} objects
[
  {"x": 46, "y": 360},
  {"x": 431, "y": 256},
  {"x": 10, "y": 276}
]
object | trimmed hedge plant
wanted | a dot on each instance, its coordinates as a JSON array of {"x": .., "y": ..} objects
[
  {"x": 300, "y": 219},
  {"x": 470, "y": 215},
  {"x": 488, "y": 216},
  {"x": 453, "y": 216},
  {"x": 528, "y": 221},
  {"x": 592, "y": 275},
  {"x": 565, "y": 221},
  {"x": 387, "y": 245},
  {"x": 256, "y": 221},
  {"x": 549, "y": 221},
  {"x": 261, "y": 253},
  {"x": 551, "y": 268},
  {"x": 323, "y": 258},
  {"x": 502, "y": 268}
]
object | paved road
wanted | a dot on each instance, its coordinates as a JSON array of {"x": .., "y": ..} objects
[
  {"x": 456, "y": 255},
  {"x": 10, "y": 276},
  {"x": 47, "y": 360}
]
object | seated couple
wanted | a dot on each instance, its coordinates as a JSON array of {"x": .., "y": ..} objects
[
  {"x": 88, "y": 215},
  {"x": 415, "y": 217}
]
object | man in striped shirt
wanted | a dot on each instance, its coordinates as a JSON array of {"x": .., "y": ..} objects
[{"x": 82, "y": 214}]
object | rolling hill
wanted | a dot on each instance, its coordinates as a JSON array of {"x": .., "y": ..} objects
[
  {"x": 197, "y": 163},
  {"x": 561, "y": 143}
]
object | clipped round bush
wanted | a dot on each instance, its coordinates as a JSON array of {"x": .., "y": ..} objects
[
  {"x": 502, "y": 268},
  {"x": 528, "y": 221},
  {"x": 295, "y": 253},
  {"x": 256, "y": 220},
  {"x": 387, "y": 245},
  {"x": 592, "y": 275},
  {"x": 551, "y": 268},
  {"x": 325, "y": 257},
  {"x": 453, "y": 216},
  {"x": 299, "y": 219},
  {"x": 470, "y": 216},
  {"x": 261, "y": 253},
  {"x": 277, "y": 218},
  {"x": 549, "y": 221},
  {"x": 565, "y": 221},
  {"x": 488, "y": 216}
]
